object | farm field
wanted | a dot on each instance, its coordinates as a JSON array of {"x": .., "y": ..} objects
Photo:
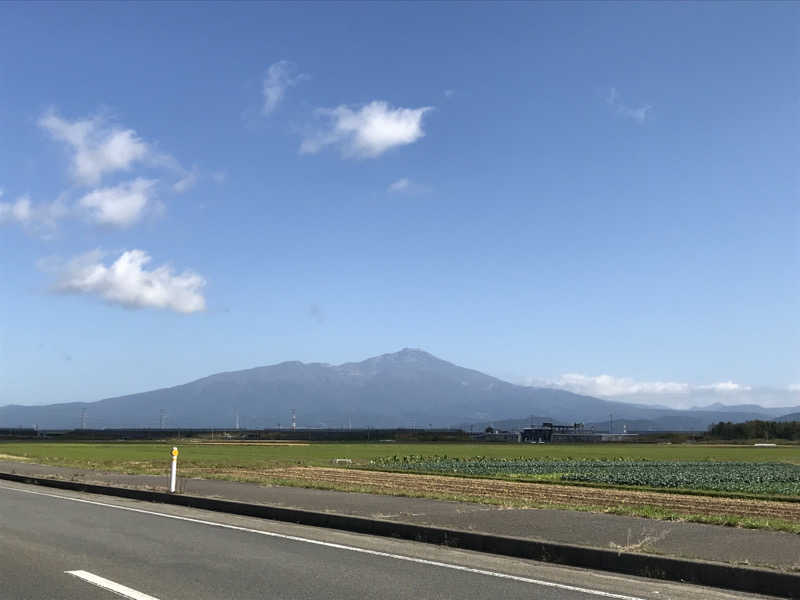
[
  {"x": 142, "y": 457},
  {"x": 725, "y": 484},
  {"x": 769, "y": 478}
]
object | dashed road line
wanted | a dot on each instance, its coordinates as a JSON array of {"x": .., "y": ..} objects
[{"x": 111, "y": 586}]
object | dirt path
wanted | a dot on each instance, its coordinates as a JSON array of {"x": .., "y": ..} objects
[{"x": 537, "y": 494}]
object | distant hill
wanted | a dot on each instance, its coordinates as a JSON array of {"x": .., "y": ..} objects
[
  {"x": 767, "y": 411},
  {"x": 790, "y": 417},
  {"x": 402, "y": 389}
]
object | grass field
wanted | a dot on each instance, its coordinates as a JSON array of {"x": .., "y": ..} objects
[{"x": 135, "y": 457}]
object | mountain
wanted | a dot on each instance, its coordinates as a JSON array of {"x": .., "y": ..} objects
[
  {"x": 402, "y": 389},
  {"x": 406, "y": 388}
]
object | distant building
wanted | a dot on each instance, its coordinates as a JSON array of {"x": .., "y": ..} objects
[
  {"x": 492, "y": 434},
  {"x": 570, "y": 434}
]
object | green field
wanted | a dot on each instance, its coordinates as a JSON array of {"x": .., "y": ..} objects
[
  {"x": 135, "y": 457},
  {"x": 765, "y": 478},
  {"x": 707, "y": 470}
]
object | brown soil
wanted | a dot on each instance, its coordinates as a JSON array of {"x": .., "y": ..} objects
[{"x": 534, "y": 494}]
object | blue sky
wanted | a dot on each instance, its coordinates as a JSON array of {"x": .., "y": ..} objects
[{"x": 545, "y": 192}]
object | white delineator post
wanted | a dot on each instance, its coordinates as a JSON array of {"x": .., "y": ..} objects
[{"x": 174, "y": 471}]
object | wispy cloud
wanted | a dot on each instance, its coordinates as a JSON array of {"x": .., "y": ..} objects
[
  {"x": 367, "y": 132},
  {"x": 187, "y": 182},
  {"x": 610, "y": 386},
  {"x": 32, "y": 215},
  {"x": 400, "y": 185},
  {"x": 19, "y": 210},
  {"x": 725, "y": 386},
  {"x": 637, "y": 113},
  {"x": 126, "y": 282},
  {"x": 121, "y": 205},
  {"x": 406, "y": 186},
  {"x": 97, "y": 147},
  {"x": 280, "y": 76}
]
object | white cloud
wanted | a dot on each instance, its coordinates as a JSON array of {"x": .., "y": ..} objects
[
  {"x": 725, "y": 387},
  {"x": 449, "y": 93},
  {"x": 278, "y": 79},
  {"x": 121, "y": 205},
  {"x": 126, "y": 282},
  {"x": 97, "y": 148},
  {"x": 399, "y": 185},
  {"x": 674, "y": 394},
  {"x": 407, "y": 187},
  {"x": 29, "y": 214},
  {"x": 368, "y": 131},
  {"x": 608, "y": 385},
  {"x": 19, "y": 211},
  {"x": 638, "y": 114},
  {"x": 186, "y": 182}
]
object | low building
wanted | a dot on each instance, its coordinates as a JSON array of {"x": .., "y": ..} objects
[
  {"x": 550, "y": 433},
  {"x": 495, "y": 435},
  {"x": 569, "y": 434}
]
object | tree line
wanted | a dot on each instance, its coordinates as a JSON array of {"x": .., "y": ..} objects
[{"x": 750, "y": 430}]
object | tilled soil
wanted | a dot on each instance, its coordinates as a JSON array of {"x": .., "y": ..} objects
[{"x": 535, "y": 494}]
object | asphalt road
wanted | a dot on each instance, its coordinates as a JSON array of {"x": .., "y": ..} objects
[
  {"x": 67, "y": 545},
  {"x": 769, "y": 549}
]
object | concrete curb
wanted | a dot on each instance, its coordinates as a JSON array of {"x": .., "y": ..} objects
[{"x": 743, "y": 579}]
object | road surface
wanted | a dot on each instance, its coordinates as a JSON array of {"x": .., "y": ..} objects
[{"x": 69, "y": 545}]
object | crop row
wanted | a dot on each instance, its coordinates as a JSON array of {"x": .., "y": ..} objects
[{"x": 764, "y": 478}]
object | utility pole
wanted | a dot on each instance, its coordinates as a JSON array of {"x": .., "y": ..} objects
[
  {"x": 83, "y": 418},
  {"x": 237, "y": 418},
  {"x": 163, "y": 417}
]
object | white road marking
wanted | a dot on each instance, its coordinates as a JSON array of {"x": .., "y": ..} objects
[
  {"x": 111, "y": 586},
  {"x": 294, "y": 538}
]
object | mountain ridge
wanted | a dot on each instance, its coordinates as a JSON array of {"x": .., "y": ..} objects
[{"x": 410, "y": 387}]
